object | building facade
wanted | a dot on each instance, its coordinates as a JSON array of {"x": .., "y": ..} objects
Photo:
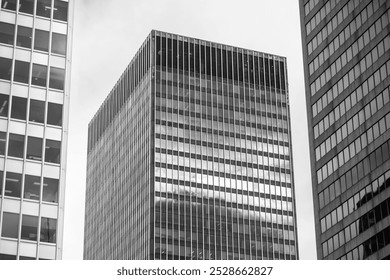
[
  {"x": 189, "y": 157},
  {"x": 35, "y": 37},
  {"x": 347, "y": 67}
]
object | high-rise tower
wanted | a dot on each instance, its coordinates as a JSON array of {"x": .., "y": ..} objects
[
  {"x": 347, "y": 75},
  {"x": 189, "y": 157},
  {"x": 35, "y": 42}
]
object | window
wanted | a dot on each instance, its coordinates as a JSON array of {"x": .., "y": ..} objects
[
  {"x": 16, "y": 145},
  {"x": 34, "y": 148},
  {"x": 7, "y": 33},
  {"x": 57, "y": 77},
  {"x": 38, "y": 76},
  {"x": 13, "y": 184},
  {"x": 18, "y": 108},
  {"x": 44, "y": 8},
  {"x": 52, "y": 149},
  {"x": 48, "y": 230},
  {"x": 9, "y": 5},
  {"x": 41, "y": 41},
  {"x": 26, "y": 6},
  {"x": 58, "y": 43},
  {"x": 21, "y": 73},
  {"x": 1, "y": 183},
  {"x": 4, "y": 100},
  {"x": 3, "y": 138},
  {"x": 50, "y": 190},
  {"x": 23, "y": 39},
  {"x": 60, "y": 10},
  {"x": 37, "y": 111},
  {"x": 32, "y": 187},
  {"x": 29, "y": 227},
  {"x": 5, "y": 68},
  {"x": 54, "y": 114},
  {"x": 10, "y": 225}
]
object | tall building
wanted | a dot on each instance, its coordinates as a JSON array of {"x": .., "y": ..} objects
[
  {"x": 34, "y": 99},
  {"x": 347, "y": 74},
  {"x": 189, "y": 157}
]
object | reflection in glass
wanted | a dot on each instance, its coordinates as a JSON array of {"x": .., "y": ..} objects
[
  {"x": 29, "y": 227},
  {"x": 48, "y": 230},
  {"x": 50, "y": 190},
  {"x": 32, "y": 187},
  {"x": 13, "y": 184}
]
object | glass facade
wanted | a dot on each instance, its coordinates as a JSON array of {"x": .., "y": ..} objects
[
  {"x": 206, "y": 128},
  {"x": 346, "y": 47},
  {"x": 34, "y": 100}
]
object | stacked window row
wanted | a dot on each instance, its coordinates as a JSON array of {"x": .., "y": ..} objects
[
  {"x": 31, "y": 187},
  {"x": 31, "y": 229},
  {"x": 353, "y": 123},
  {"x": 310, "y": 6},
  {"x": 337, "y": 20},
  {"x": 357, "y": 200},
  {"x": 336, "y": 189},
  {"x": 320, "y": 15},
  {"x": 36, "y": 74},
  {"x": 366, "y": 221},
  {"x": 356, "y": 47},
  {"x": 51, "y": 151},
  {"x": 377, "y": 52},
  {"x": 351, "y": 100},
  {"x": 354, "y": 148},
  {"x": 25, "y": 38},
  {"x": 35, "y": 110},
  {"x": 41, "y": 8},
  {"x": 369, "y": 247}
]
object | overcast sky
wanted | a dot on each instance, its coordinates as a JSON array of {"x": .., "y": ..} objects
[{"x": 106, "y": 36}]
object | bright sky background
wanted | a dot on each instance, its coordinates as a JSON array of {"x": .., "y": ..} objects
[{"x": 106, "y": 36}]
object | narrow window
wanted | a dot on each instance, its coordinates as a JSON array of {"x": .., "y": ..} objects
[
  {"x": 37, "y": 111},
  {"x": 32, "y": 187},
  {"x": 10, "y": 223},
  {"x": 53, "y": 150},
  {"x": 57, "y": 78},
  {"x": 23, "y": 39},
  {"x": 19, "y": 106},
  {"x": 38, "y": 76},
  {"x": 13, "y": 184},
  {"x": 48, "y": 230},
  {"x": 34, "y": 148},
  {"x": 41, "y": 41},
  {"x": 50, "y": 190},
  {"x": 16, "y": 145},
  {"x": 7, "y": 33},
  {"x": 4, "y": 100},
  {"x": 3, "y": 137},
  {"x": 5, "y": 68},
  {"x": 29, "y": 227},
  {"x": 26, "y": 6},
  {"x": 21, "y": 73},
  {"x": 44, "y": 8},
  {"x": 60, "y": 10},
  {"x": 54, "y": 114}
]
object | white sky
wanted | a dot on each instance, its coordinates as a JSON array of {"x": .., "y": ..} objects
[{"x": 108, "y": 33}]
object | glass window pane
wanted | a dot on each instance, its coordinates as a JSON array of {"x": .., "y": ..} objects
[
  {"x": 13, "y": 184},
  {"x": 9, "y": 5},
  {"x": 38, "y": 76},
  {"x": 29, "y": 227},
  {"x": 37, "y": 111},
  {"x": 57, "y": 77},
  {"x": 1, "y": 183},
  {"x": 3, "y": 137},
  {"x": 44, "y": 8},
  {"x": 60, "y": 10},
  {"x": 23, "y": 39},
  {"x": 4, "y": 100},
  {"x": 58, "y": 43},
  {"x": 19, "y": 107},
  {"x": 7, "y": 33},
  {"x": 54, "y": 114},
  {"x": 41, "y": 41},
  {"x": 10, "y": 226},
  {"x": 34, "y": 148},
  {"x": 5, "y": 68},
  {"x": 32, "y": 187},
  {"x": 7, "y": 257},
  {"x": 26, "y": 6},
  {"x": 16, "y": 145},
  {"x": 50, "y": 190},
  {"x": 21, "y": 73},
  {"x": 52, "y": 152},
  {"x": 48, "y": 230}
]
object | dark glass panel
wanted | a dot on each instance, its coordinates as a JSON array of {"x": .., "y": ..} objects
[
  {"x": 3, "y": 139},
  {"x": 41, "y": 40},
  {"x": 26, "y": 6},
  {"x": 10, "y": 226},
  {"x": 13, "y": 184},
  {"x": 9, "y": 5},
  {"x": 54, "y": 114},
  {"x": 50, "y": 190},
  {"x": 53, "y": 151},
  {"x": 29, "y": 227},
  {"x": 57, "y": 78},
  {"x": 37, "y": 111},
  {"x": 7, "y": 33},
  {"x": 21, "y": 73},
  {"x": 34, "y": 148},
  {"x": 4, "y": 102},
  {"x": 19, "y": 108},
  {"x": 58, "y": 44},
  {"x": 60, "y": 10},
  {"x": 16, "y": 145},
  {"x": 24, "y": 37},
  {"x": 43, "y": 8},
  {"x": 38, "y": 76},
  {"x": 48, "y": 230},
  {"x": 32, "y": 187},
  {"x": 5, "y": 68}
]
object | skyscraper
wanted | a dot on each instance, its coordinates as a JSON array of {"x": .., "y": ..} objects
[
  {"x": 347, "y": 67},
  {"x": 189, "y": 157},
  {"x": 34, "y": 99}
]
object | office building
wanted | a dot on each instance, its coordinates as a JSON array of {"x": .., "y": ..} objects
[
  {"x": 34, "y": 99},
  {"x": 347, "y": 67},
  {"x": 189, "y": 157}
]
